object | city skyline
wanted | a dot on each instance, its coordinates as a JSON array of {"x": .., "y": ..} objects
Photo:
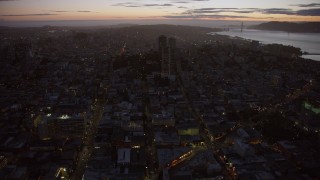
[
  {"x": 45, "y": 10},
  {"x": 147, "y": 90}
]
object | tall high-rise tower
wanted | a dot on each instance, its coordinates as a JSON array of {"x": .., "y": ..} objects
[
  {"x": 163, "y": 51},
  {"x": 162, "y": 43},
  {"x": 172, "y": 60}
]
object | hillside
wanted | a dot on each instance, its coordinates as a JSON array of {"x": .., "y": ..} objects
[{"x": 309, "y": 27}]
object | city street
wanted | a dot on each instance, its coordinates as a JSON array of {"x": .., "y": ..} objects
[{"x": 88, "y": 140}]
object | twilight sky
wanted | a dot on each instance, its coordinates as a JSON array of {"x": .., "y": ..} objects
[{"x": 244, "y": 10}]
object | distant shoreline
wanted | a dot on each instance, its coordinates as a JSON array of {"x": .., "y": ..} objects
[{"x": 307, "y": 27}]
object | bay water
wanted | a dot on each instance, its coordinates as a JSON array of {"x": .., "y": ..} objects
[{"x": 307, "y": 42}]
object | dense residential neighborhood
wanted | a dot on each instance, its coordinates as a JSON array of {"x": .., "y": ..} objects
[{"x": 155, "y": 102}]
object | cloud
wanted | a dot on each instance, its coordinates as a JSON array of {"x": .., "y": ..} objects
[
  {"x": 42, "y": 14},
  {"x": 187, "y": 1},
  {"x": 216, "y": 16},
  {"x": 223, "y": 10},
  {"x": 285, "y": 11},
  {"x": 220, "y": 13},
  {"x": 221, "y": 17},
  {"x": 309, "y": 12},
  {"x": 171, "y": 3},
  {"x": 302, "y": 12},
  {"x": 157, "y": 5},
  {"x": 181, "y": 2},
  {"x": 128, "y": 4},
  {"x": 307, "y": 5},
  {"x": 278, "y": 11},
  {"x": 219, "y": 8},
  {"x": 60, "y": 11},
  {"x": 79, "y": 11},
  {"x": 245, "y": 11}
]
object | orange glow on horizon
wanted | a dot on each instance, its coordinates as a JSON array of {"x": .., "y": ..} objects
[
  {"x": 76, "y": 17},
  {"x": 233, "y": 10}
]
